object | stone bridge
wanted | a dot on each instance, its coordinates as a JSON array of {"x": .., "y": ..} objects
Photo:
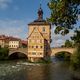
[
  {"x": 57, "y": 50},
  {"x": 21, "y": 50},
  {"x": 53, "y": 50}
]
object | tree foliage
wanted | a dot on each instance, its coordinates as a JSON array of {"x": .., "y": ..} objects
[
  {"x": 64, "y": 14},
  {"x": 75, "y": 59},
  {"x": 68, "y": 43},
  {"x": 76, "y": 38},
  {"x": 4, "y": 53}
]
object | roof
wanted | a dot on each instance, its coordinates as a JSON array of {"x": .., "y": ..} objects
[
  {"x": 2, "y": 37},
  {"x": 39, "y": 22},
  {"x": 8, "y": 38},
  {"x": 13, "y": 39},
  {"x": 24, "y": 42}
]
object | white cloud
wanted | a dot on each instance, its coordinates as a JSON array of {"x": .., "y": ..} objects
[
  {"x": 4, "y": 3},
  {"x": 58, "y": 40},
  {"x": 17, "y": 28}
]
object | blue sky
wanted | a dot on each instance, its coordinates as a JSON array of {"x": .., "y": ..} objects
[{"x": 16, "y": 14}]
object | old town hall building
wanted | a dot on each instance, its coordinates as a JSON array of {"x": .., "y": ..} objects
[{"x": 39, "y": 38}]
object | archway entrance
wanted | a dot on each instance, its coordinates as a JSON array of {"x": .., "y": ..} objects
[{"x": 18, "y": 56}]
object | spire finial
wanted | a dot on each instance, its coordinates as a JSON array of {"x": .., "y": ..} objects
[
  {"x": 40, "y": 13},
  {"x": 40, "y": 5}
]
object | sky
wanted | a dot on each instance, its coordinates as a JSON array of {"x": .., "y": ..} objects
[{"x": 16, "y": 14}]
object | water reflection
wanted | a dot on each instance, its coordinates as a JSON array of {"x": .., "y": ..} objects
[
  {"x": 41, "y": 72},
  {"x": 29, "y": 71}
]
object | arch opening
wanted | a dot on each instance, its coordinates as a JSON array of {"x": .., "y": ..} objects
[
  {"x": 18, "y": 56},
  {"x": 63, "y": 55}
]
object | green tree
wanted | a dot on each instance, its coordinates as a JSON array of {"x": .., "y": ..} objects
[
  {"x": 76, "y": 38},
  {"x": 64, "y": 14},
  {"x": 4, "y": 53},
  {"x": 75, "y": 58},
  {"x": 68, "y": 43}
]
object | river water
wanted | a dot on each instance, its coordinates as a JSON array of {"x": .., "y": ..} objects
[{"x": 30, "y": 71}]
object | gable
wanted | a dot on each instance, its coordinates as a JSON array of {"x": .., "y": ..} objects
[{"x": 35, "y": 34}]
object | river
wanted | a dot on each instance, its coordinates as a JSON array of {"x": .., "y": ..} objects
[{"x": 19, "y": 70}]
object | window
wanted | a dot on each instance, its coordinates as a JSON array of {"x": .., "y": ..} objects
[
  {"x": 40, "y": 53},
  {"x": 41, "y": 47},
  {"x": 33, "y": 53},
  {"x": 32, "y": 46},
  {"x": 36, "y": 46},
  {"x": 43, "y": 29},
  {"x": 12, "y": 45},
  {"x": 37, "y": 36}
]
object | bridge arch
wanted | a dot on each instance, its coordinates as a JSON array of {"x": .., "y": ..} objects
[
  {"x": 57, "y": 50},
  {"x": 65, "y": 52},
  {"x": 18, "y": 55},
  {"x": 61, "y": 56}
]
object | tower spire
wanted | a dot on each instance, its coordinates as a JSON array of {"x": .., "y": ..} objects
[{"x": 40, "y": 13}]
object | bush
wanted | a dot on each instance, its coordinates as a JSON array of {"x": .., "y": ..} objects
[{"x": 4, "y": 53}]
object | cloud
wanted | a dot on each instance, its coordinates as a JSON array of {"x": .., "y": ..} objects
[
  {"x": 17, "y": 28},
  {"x": 4, "y": 3},
  {"x": 58, "y": 40}
]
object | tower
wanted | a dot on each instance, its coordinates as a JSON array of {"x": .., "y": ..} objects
[{"x": 39, "y": 38}]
